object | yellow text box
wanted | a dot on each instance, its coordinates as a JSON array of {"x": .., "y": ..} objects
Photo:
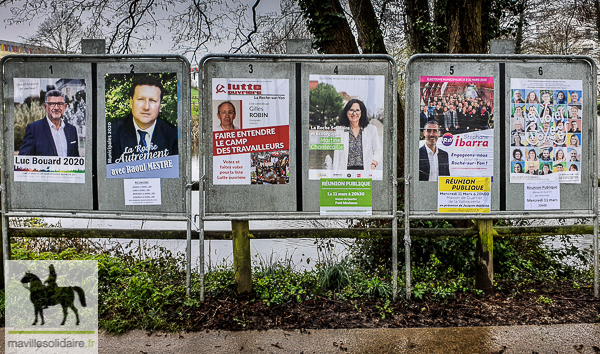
[{"x": 464, "y": 184}]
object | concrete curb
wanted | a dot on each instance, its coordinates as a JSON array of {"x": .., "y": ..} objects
[
  {"x": 577, "y": 338},
  {"x": 572, "y": 338}
]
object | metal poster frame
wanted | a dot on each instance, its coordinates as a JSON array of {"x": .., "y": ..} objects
[
  {"x": 181, "y": 67},
  {"x": 298, "y": 70},
  {"x": 524, "y": 66}
]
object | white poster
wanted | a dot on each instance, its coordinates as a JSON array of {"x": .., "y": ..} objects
[
  {"x": 142, "y": 191},
  {"x": 250, "y": 131},
  {"x": 542, "y": 196}
]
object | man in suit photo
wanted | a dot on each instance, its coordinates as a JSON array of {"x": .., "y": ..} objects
[
  {"x": 51, "y": 135},
  {"x": 433, "y": 162},
  {"x": 142, "y": 134}
]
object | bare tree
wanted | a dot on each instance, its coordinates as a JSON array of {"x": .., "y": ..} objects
[
  {"x": 128, "y": 25},
  {"x": 198, "y": 25},
  {"x": 590, "y": 19},
  {"x": 267, "y": 32},
  {"x": 61, "y": 32},
  {"x": 562, "y": 28},
  {"x": 596, "y": 18},
  {"x": 417, "y": 23},
  {"x": 276, "y": 29},
  {"x": 467, "y": 26}
]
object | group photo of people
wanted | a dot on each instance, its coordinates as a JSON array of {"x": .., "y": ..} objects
[
  {"x": 457, "y": 107},
  {"x": 557, "y": 159},
  {"x": 451, "y": 105},
  {"x": 545, "y": 130},
  {"x": 270, "y": 167}
]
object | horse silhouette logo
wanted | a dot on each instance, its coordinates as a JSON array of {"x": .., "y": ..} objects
[{"x": 42, "y": 296}]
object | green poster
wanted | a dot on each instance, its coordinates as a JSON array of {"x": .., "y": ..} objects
[{"x": 342, "y": 196}]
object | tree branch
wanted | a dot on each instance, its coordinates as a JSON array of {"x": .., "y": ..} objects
[{"x": 254, "y": 31}]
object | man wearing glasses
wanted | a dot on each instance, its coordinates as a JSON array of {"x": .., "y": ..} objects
[
  {"x": 51, "y": 136},
  {"x": 433, "y": 162}
]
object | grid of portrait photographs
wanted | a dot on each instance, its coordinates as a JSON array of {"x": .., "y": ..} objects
[{"x": 545, "y": 127}]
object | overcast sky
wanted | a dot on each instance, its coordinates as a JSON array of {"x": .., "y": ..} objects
[{"x": 14, "y": 33}]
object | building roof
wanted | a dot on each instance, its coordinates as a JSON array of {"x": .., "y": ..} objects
[{"x": 7, "y": 48}]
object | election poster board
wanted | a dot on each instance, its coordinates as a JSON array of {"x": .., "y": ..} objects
[
  {"x": 538, "y": 105},
  {"x": 250, "y": 131},
  {"x": 546, "y": 124},
  {"x": 346, "y": 116},
  {"x": 49, "y": 130},
  {"x": 456, "y": 138},
  {"x": 142, "y": 134}
]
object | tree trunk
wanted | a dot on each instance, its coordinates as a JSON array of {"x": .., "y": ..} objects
[
  {"x": 370, "y": 37},
  {"x": 597, "y": 5},
  {"x": 519, "y": 36},
  {"x": 417, "y": 25},
  {"x": 465, "y": 28},
  {"x": 328, "y": 24}
]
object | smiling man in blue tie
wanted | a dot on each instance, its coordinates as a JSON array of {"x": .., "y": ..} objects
[
  {"x": 51, "y": 135},
  {"x": 141, "y": 135}
]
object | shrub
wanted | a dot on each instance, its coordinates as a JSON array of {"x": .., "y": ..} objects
[
  {"x": 283, "y": 286},
  {"x": 334, "y": 275}
]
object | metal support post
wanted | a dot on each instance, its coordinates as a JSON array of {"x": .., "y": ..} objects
[
  {"x": 5, "y": 247},
  {"x": 407, "y": 242},
  {"x": 188, "y": 246},
  {"x": 202, "y": 182},
  {"x": 596, "y": 295},
  {"x": 484, "y": 254},
  {"x": 201, "y": 256},
  {"x": 242, "y": 264},
  {"x": 5, "y": 239},
  {"x": 595, "y": 242},
  {"x": 3, "y": 204},
  {"x": 3, "y": 221},
  {"x": 395, "y": 259},
  {"x": 188, "y": 259}
]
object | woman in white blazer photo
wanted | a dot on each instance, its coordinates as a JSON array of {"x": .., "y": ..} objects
[{"x": 362, "y": 146}]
